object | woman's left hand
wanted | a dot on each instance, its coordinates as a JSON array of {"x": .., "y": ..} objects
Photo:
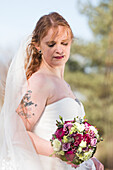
[{"x": 98, "y": 164}]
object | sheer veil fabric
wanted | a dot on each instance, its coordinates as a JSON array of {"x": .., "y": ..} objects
[{"x": 16, "y": 149}]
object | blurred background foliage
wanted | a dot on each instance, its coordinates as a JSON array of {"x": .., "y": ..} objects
[{"x": 89, "y": 71}]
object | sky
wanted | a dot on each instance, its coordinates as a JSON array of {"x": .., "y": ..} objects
[{"x": 18, "y": 19}]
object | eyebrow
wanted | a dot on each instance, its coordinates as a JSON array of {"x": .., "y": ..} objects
[
  {"x": 55, "y": 41},
  {"x": 48, "y": 42}
]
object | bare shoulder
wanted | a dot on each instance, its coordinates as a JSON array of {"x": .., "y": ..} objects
[
  {"x": 40, "y": 81},
  {"x": 37, "y": 78}
]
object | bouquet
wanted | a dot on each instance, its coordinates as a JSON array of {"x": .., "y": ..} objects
[{"x": 75, "y": 140}]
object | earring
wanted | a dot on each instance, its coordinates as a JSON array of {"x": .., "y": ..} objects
[{"x": 40, "y": 52}]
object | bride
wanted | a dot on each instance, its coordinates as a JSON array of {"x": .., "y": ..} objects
[{"x": 35, "y": 95}]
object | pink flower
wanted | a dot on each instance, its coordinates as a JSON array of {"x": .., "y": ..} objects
[
  {"x": 60, "y": 133},
  {"x": 67, "y": 126},
  {"x": 69, "y": 121},
  {"x": 78, "y": 138},
  {"x": 86, "y": 138},
  {"x": 93, "y": 142},
  {"x": 87, "y": 126},
  {"x": 65, "y": 146},
  {"x": 92, "y": 134}
]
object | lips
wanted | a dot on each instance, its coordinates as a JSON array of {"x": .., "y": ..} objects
[{"x": 59, "y": 57}]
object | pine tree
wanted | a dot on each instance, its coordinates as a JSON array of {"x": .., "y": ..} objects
[{"x": 100, "y": 19}]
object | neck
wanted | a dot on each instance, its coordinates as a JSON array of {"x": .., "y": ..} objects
[{"x": 55, "y": 71}]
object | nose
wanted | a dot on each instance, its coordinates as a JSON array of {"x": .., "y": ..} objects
[{"x": 59, "y": 49}]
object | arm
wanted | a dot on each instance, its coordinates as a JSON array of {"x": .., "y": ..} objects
[
  {"x": 31, "y": 108},
  {"x": 41, "y": 146},
  {"x": 97, "y": 163}
]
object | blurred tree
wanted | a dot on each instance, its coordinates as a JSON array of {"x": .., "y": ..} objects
[
  {"x": 100, "y": 50},
  {"x": 100, "y": 19}
]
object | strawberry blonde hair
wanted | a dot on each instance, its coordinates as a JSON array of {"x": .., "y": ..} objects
[{"x": 33, "y": 59}]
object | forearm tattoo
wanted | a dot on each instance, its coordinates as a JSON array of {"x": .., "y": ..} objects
[{"x": 26, "y": 106}]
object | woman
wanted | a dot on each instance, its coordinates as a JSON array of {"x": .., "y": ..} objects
[{"x": 47, "y": 94}]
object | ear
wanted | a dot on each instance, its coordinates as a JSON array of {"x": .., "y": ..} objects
[{"x": 38, "y": 48}]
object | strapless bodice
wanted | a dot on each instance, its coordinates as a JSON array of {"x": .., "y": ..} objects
[{"x": 67, "y": 107}]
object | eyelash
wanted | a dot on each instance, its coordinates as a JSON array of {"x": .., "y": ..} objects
[
  {"x": 65, "y": 43},
  {"x": 51, "y": 45}
]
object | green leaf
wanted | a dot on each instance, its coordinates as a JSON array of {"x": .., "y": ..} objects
[
  {"x": 54, "y": 136},
  {"x": 60, "y": 117}
]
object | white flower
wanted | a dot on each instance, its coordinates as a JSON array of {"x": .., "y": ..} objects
[
  {"x": 88, "y": 154},
  {"x": 93, "y": 129},
  {"x": 80, "y": 149},
  {"x": 56, "y": 145},
  {"x": 80, "y": 127},
  {"x": 83, "y": 144},
  {"x": 79, "y": 119}
]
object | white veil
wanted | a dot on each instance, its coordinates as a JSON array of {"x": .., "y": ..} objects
[{"x": 16, "y": 149}]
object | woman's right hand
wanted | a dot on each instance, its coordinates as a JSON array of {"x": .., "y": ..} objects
[{"x": 98, "y": 164}]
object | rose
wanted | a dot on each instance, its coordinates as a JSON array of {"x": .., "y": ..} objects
[
  {"x": 92, "y": 128},
  {"x": 86, "y": 138},
  {"x": 93, "y": 142},
  {"x": 65, "y": 146},
  {"x": 60, "y": 133},
  {"x": 56, "y": 145},
  {"x": 67, "y": 126},
  {"x": 70, "y": 155},
  {"x": 77, "y": 139},
  {"x": 80, "y": 127},
  {"x": 92, "y": 134},
  {"x": 87, "y": 125}
]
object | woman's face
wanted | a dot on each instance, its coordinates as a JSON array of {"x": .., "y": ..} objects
[{"x": 55, "y": 46}]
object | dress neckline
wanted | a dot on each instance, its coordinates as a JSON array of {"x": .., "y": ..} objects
[{"x": 61, "y": 100}]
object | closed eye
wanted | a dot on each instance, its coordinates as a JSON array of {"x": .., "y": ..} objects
[
  {"x": 51, "y": 45},
  {"x": 64, "y": 43}
]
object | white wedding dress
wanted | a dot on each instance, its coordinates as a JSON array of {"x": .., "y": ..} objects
[
  {"x": 16, "y": 149},
  {"x": 68, "y": 108}
]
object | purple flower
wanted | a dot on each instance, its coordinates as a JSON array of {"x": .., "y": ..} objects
[
  {"x": 65, "y": 146},
  {"x": 67, "y": 126},
  {"x": 85, "y": 149},
  {"x": 93, "y": 142},
  {"x": 60, "y": 133}
]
